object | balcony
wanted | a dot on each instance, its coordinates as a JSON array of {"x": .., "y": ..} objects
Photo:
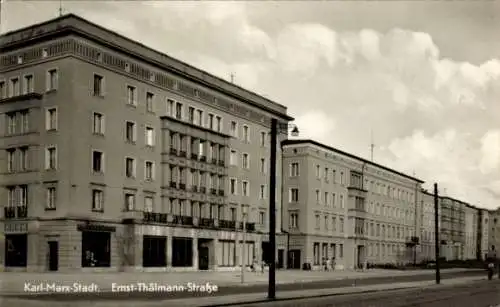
[
  {"x": 227, "y": 224},
  {"x": 203, "y": 158},
  {"x": 173, "y": 151},
  {"x": 182, "y": 153},
  {"x": 22, "y": 212},
  {"x": 173, "y": 184},
  {"x": 213, "y": 191},
  {"x": 207, "y": 222},
  {"x": 221, "y": 163},
  {"x": 182, "y": 186},
  {"x": 187, "y": 220},
  {"x": 9, "y": 212},
  {"x": 194, "y": 188},
  {"x": 176, "y": 219},
  {"x": 250, "y": 227},
  {"x": 194, "y": 156},
  {"x": 203, "y": 190},
  {"x": 214, "y": 161},
  {"x": 412, "y": 241},
  {"x": 221, "y": 192},
  {"x": 153, "y": 217}
]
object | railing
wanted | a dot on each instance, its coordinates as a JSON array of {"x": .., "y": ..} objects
[
  {"x": 183, "y": 153},
  {"x": 203, "y": 190},
  {"x": 187, "y": 220},
  {"x": 213, "y": 191},
  {"x": 155, "y": 217},
  {"x": 194, "y": 188},
  {"x": 173, "y": 184},
  {"x": 250, "y": 227},
  {"x": 221, "y": 162},
  {"x": 207, "y": 222},
  {"x": 203, "y": 158},
  {"x": 194, "y": 156},
  {"x": 182, "y": 186},
  {"x": 214, "y": 161},
  {"x": 22, "y": 212},
  {"x": 9, "y": 212},
  {"x": 221, "y": 192},
  {"x": 173, "y": 151},
  {"x": 227, "y": 224}
]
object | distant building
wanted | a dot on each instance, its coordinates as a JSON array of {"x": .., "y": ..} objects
[
  {"x": 483, "y": 233},
  {"x": 427, "y": 226},
  {"x": 452, "y": 230},
  {"x": 471, "y": 230},
  {"x": 342, "y": 206},
  {"x": 494, "y": 228}
]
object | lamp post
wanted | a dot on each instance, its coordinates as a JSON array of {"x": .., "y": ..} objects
[
  {"x": 271, "y": 291},
  {"x": 243, "y": 243},
  {"x": 436, "y": 232}
]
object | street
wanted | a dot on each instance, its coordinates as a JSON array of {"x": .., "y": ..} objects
[
  {"x": 475, "y": 294},
  {"x": 238, "y": 289}
]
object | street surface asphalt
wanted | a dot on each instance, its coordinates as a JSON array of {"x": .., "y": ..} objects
[
  {"x": 482, "y": 293},
  {"x": 238, "y": 289}
]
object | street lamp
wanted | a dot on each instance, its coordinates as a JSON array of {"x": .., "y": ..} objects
[
  {"x": 243, "y": 243},
  {"x": 271, "y": 291}
]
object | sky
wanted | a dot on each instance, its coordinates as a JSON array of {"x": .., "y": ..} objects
[{"x": 419, "y": 78}]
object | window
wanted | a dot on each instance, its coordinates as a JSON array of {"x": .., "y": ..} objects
[
  {"x": 150, "y": 136},
  {"x": 341, "y": 250},
  {"x": 294, "y": 220},
  {"x": 178, "y": 110},
  {"x": 11, "y": 153},
  {"x": 246, "y": 134},
  {"x": 131, "y": 95},
  {"x": 149, "y": 171},
  {"x": 28, "y": 86},
  {"x": 294, "y": 169},
  {"x": 24, "y": 121},
  {"x": 326, "y": 174},
  {"x": 148, "y": 204},
  {"x": 228, "y": 250},
  {"x": 52, "y": 79},
  {"x": 51, "y": 119},
  {"x": 191, "y": 115},
  {"x": 11, "y": 196},
  {"x": 23, "y": 158},
  {"x": 98, "y": 85},
  {"x": 51, "y": 158},
  {"x": 14, "y": 87},
  {"x": 200, "y": 118},
  {"x": 234, "y": 129},
  {"x": 233, "y": 160},
  {"x": 262, "y": 193},
  {"x": 218, "y": 120},
  {"x": 341, "y": 224},
  {"x": 341, "y": 177},
  {"x": 97, "y": 200},
  {"x": 3, "y": 90},
  {"x": 246, "y": 188},
  {"x": 327, "y": 200},
  {"x": 51, "y": 198},
  {"x": 232, "y": 186},
  {"x": 263, "y": 139},
  {"x": 294, "y": 195},
  {"x": 342, "y": 201},
  {"x": 246, "y": 161},
  {"x": 130, "y": 132},
  {"x": 170, "y": 107},
  {"x": 318, "y": 171},
  {"x": 262, "y": 165},
  {"x": 11, "y": 123},
  {"x": 97, "y": 161},
  {"x": 129, "y": 202},
  {"x": 150, "y": 102},
  {"x": 316, "y": 253},
  {"x": 130, "y": 167},
  {"x": 211, "y": 121},
  {"x": 98, "y": 123}
]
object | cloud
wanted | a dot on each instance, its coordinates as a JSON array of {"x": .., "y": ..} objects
[{"x": 430, "y": 113}]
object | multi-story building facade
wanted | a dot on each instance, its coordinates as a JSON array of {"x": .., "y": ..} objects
[
  {"x": 452, "y": 228},
  {"x": 483, "y": 233},
  {"x": 115, "y": 156},
  {"x": 428, "y": 230},
  {"x": 344, "y": 207},
  {"x": 471, "y": 231},
  {"x": 494, "y": 228}
]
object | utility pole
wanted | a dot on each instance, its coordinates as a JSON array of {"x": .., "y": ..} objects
[
  {"x": 271, "y": 291},
  {"x": 436, "y": 232}
]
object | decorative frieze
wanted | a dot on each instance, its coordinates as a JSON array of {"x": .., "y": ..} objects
[{"x": 110, "y": 60}]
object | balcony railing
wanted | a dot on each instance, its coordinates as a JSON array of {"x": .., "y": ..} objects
[
  {"x": 221, "y": 192},
  {"x": 173, "y": 151},
  {"x": 173, "y": 184},
  {"x": 9, "y": 212},
  {"x": 194, "y": 188},
  {"x": 213, "y": 191},
  {"x": 250, "y": 227},
  {"x": 203, "y": 158},
  {"x": 207, "y": 222},
  {"x": 227, "y": 224},
  {"x": 203, "y": 190},
  {"x": 22, "y": 212},
  {"x": 214, "y": 161},
  {"x": 221, "y": 162},
  {"x": 182, "y": 153},
  {"x": 194, "y": 156},
  {"x": 182, "y": 186},
  {"x": 187, "y": 220},
  {"x": 155, "y": 217}
]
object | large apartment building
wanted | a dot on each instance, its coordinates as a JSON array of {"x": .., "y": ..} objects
[
  {"x": 452, "y": 234},
  {"x": 115, "y": 156},
  {"x": 427, "y": 226},
  {"x": 470, "y": 232},
  {"x": 344, "y": 207}
]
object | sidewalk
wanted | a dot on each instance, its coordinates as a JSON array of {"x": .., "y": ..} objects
[
  {"x": 13, "y": 283},
  {"x": 242, "y": 298}
]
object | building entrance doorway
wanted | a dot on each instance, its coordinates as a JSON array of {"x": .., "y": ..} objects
[{"x": 53, "y": 256}]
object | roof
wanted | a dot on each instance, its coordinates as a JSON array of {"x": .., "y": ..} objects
[
  {"x": 307, "y": 141},
  {"x": 78, "y": 25}
]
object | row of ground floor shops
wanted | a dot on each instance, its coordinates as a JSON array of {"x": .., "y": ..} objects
[{"x": 73, "y": 245}]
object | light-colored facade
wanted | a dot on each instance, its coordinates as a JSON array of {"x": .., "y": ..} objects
[
  {"x": 471, "y": 232},
  {"x": 115, "y": 156},
  {"x": 427, "y": 225},
  {"x": 452, "y": 228},
  {"x": 494, "y": 228},
  {"x": 484, "y": 232},
  {"x": 342, "y": 206}
]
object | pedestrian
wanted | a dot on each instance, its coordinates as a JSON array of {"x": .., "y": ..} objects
[
  {"x": 333, "y": 263},
  {"x": 324, "y": 264}
]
